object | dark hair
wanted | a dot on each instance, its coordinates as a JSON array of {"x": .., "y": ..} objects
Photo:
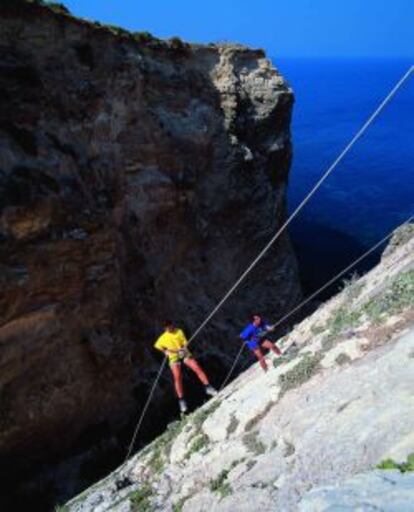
[
  {"x": 167, "y": 322},
  {"x": 256, "y": 314}
]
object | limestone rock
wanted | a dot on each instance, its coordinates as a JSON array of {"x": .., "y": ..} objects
[
  {"x": 299, "y": 436},
  {"x": 386, "y": 491},
  {"x": 400, "y": 237}
]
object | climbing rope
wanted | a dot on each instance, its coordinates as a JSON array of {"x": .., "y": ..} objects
[
  {"x": 272, "y": 241},
  {"x": 144, "y": 410},
  {"x": 314, "y": 294}
]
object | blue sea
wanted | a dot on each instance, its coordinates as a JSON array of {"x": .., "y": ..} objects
[{"x": 372, "y": 190}]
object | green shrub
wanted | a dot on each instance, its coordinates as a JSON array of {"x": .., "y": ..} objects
[
  {"x": 118, "y": 31},
  {"x": 140, "y": 499},
  {"x": 54, "y": 6},
  {"x": 157, "y": 460},
  {"x": 403, "y": 467},
  {"x": 394, "y": 299},
  {"x": 143, "y": 37},
  {"x": 199, "y": 442},
  {"x": 177, "y": 43},
  {"x": 220, "y": 485},
  {"x": 57, "y": 7},
  {"x": 342, "y": 318},
  {"x": 178, "y": 507}
]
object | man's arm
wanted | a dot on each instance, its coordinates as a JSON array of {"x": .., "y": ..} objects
[
  {"x": 158, "y": 345},
  {"x": 246, "y": 333}
]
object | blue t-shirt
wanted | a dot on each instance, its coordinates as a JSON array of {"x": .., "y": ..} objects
[{"x": 252, "y": 333}]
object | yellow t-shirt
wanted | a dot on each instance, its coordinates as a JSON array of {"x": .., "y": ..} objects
[{"x": 172, "y": 341}]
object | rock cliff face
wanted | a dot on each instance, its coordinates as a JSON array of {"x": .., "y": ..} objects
[
  {"x": 307, "y": 434},
  {"x": 137, "y": 180}
]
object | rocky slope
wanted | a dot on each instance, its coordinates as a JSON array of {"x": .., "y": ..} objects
[
  {"x": 137, "y": 179},
  {"x": 306, "y": 435}
]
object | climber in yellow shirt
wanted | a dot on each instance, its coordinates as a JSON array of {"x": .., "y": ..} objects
[{"x": 174, "y": 345}]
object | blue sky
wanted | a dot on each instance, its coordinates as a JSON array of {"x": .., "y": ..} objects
[{"x": 287, "y": 28}]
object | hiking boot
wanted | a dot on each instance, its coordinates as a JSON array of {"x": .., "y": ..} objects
[
  {"x": 183, "y": 405},
  {"x": 210, "y": 391}
]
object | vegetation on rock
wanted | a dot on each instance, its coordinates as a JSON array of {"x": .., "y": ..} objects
[
  {"x": 220, "y": 485},
  {"x": 253, "y": 444},
  {"x": 403, "y": 467},
  {"x": 54, "y": 6},
  {"x": 342, "y": 358},
  {"x": 394, "y": 299},
  {"x": 140, "y": 499},
  {"x": 199, "y": 443},
  {"x": 300, "y": 373}
]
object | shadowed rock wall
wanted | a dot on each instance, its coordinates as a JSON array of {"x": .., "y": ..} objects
[{"x": 138, "y": 178}]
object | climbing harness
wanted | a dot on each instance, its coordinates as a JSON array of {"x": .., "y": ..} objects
[
  {"x": 183, "y": 353},
  {"x": 253, "y": 264}
]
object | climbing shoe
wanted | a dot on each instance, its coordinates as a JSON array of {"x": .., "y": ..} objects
[
  {"x": 183, "y": 406},
  {"x": 210, "y": 391}
]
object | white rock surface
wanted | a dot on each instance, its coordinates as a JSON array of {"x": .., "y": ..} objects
[
  {"x": 382, "y": 491},
  {"x": 266, "y": 445}
]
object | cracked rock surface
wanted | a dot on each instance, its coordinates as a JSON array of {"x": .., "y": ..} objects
[{"x": 307, "y": 434}]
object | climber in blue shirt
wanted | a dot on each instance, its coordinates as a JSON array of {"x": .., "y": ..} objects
[{"x": 254, "y": 335}]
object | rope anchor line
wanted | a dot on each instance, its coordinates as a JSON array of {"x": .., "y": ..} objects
[{"x": 272, "y": 241}]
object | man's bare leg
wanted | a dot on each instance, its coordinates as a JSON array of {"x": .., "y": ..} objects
[
  {"x": 259, "y": 354},
  {"x": 178, "y": 379},
  {"x": 272, "y": 346},
  {"x": 193, "y": 365}
]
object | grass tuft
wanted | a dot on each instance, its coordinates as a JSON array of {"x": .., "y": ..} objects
[
  {"x": 198, "y": 444},
  {"x": 140, "y": 499},
  {"x": 200, "y": 417},
  {"x": 220, "y": 485},
  {"x": 143, "y": 37},
  {"x": 308, "y": 366},
  {"x": 342, "y": 358},
  {"x": 289, "y": 449},
  {"x": 341, "y": 319},
  {"x": 177, "y": 44},
  {"x": 317, "y": 329},
  {"x": 232, "y": 426},
  {"x": 351, "y": 286},
  {"x": 394, "y": 299},
  {"x": 256, "y": 419},
  {"x": 253, "y": 444},
  {"x": 161, "y": 447}
]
